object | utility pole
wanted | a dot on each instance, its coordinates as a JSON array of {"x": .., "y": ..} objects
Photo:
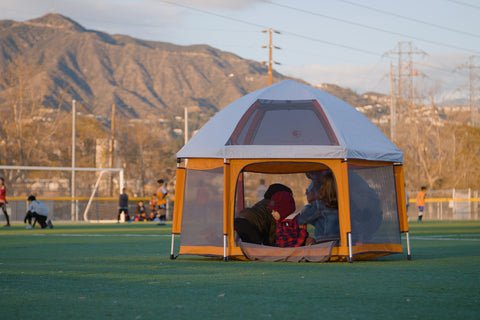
[
  {"x": 112, "y": 148},
  {"x": 270, "y": 56},
  {"x": 472, "y": 76},
  {"x": 74, "y": 135},
  {"x": 186, "y": 124}
]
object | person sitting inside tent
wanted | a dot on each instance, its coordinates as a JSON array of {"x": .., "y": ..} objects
[
  {"x": 366, "y": 211},
  {"x": 288, "y": 232},
  {"x": 256, "y": 224},
  {"x": 322, "y": 210}
]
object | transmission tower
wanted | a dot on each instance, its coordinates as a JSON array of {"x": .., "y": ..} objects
[
  {"x": 270, "y": 58},
  {"x": 472, "y": 88},
  {"x": 401, "y": 80}
]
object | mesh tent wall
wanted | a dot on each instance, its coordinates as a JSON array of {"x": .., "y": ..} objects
[{"x": 283, "y": 129}]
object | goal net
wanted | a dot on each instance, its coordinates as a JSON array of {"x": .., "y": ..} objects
[{"x": 71, "y": 194}]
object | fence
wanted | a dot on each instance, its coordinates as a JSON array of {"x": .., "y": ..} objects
[
  {"x": 440, "y": 205},
  {"x": 100, "y": 210},
  {"x": 450, "y": 204}
]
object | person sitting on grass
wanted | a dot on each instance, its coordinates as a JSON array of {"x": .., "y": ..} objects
[
  {"x": 37, "y": 211},
  {"x": 140, "y": 212}
]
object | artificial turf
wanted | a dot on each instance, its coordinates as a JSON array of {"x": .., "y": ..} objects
[{"x": 124, "y": 271}]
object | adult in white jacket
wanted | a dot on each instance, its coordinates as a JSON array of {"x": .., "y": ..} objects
[{"x": 37, "y": 211}]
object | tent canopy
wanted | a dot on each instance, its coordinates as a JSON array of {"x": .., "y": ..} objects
[
  {"x": 290, "y": 131},
  {"x": 268, "y": 124}
]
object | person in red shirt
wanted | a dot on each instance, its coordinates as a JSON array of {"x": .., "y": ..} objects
[
  {"x": 3, "y": 200},
  {"x": 289, "y": 232}
]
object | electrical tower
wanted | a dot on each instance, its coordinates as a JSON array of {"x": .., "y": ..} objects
[
  {"x": 401, "y": 80},
  {"x": 270, "y": 58},
  {"x": 472, "y": 88}
]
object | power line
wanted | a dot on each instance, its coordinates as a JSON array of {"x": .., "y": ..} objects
[
  {"x": 369, "y": 27},
  {"x": 410, "y": 19},
  {"x": 465, "y": 4},
  {"x": 213, "y": 13},
  {"x": 331, "y": 43},
  {"x": 264, "y": 27},
  {"x": 302, "y": 36}
]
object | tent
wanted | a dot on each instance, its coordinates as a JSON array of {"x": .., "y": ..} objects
[{"x": 290, "y": 128}]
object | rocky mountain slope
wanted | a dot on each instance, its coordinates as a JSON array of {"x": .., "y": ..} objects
[{"x": 61, "y": 60}]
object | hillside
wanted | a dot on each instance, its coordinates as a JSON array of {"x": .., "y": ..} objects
[{"x": 142, "y": 78}]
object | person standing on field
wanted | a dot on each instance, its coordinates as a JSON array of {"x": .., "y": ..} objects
[
  {"x": 162, "y": 202},
  {"x": 262, "y": 188},
  {"x": 3, "y": 200},
  {"x": 123, "y": 205},
  {"x": 421, "y": 202}
]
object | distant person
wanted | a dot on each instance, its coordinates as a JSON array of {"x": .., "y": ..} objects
[
  {"x": 3, "y": 200},
  {"x": 421, "y": 202},
  {"x": 256, "y": 224},
  {"x": 140, "y": 212},
  {"x": 203, "y": 194},
  {"x": 288, "y": 232},
  {"x": 37, "y": 211},
  {"x": 161, "y": 202},
  {"x": 123, "y": 205},
  {"x": 153, "y": 206},
  {"x": 262, "y": 188}
]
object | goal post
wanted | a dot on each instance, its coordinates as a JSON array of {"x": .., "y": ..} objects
[{"x": 73, "y": 198}]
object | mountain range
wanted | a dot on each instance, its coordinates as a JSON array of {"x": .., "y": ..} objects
[
  {"x": 60, "y": 60},
  {"x": 63, "y": 61}
]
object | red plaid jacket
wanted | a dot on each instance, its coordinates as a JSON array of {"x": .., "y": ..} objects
[{"x": 290, "y": 233}]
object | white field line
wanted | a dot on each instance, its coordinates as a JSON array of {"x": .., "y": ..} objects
[
  {"x": 449, "y": 237},
  {"x": 454, "y": 237},
  {"x": 99, "y": 235}
]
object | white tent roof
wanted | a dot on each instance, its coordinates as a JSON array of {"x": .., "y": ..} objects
[{"x": 355, "y": 137}]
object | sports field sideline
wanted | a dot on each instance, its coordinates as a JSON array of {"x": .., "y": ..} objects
[{"x": 124, "y": 271}]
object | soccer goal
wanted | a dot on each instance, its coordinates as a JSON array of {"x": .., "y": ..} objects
[{"x": 71, "y": 194}]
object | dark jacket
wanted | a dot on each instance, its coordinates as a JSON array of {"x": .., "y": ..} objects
[{"x": 261, "y": 217}]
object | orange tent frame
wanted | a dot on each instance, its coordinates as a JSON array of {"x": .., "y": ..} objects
[{"x": 232, "y": 169}]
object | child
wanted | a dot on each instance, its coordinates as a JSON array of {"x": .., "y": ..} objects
[
  {"x": 322, "y": 210},
  {"x": 421, "y": 202},
  {"x": 3, "y": 201},
  {"x": 153, "y": 207},
  {"x": 289, "y": 232},
  {"x": 140, "y": 214}
]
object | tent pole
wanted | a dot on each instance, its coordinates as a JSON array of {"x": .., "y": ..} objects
[
  {"x": 409, "y": 255},
  {"x": 350, "y": 255},
  {"x": 172, "y": 256},
  {"x": 225, "y": 258}
]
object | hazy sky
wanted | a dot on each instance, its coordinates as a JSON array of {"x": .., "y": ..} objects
[{"x": 345, "y": 42}]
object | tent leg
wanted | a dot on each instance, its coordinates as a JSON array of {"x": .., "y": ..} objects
[
  {"x": 225, "y": 258},
  {"x": 172, "y": 256},
  {"x": 409, "y": 254},
  {"x": 350, "y": 255}
]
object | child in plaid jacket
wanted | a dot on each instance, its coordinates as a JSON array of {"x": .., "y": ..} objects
[{"x": 289, "y": 232}]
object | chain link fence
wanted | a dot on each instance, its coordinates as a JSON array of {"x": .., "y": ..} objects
[{"x": 451, "y": 204}]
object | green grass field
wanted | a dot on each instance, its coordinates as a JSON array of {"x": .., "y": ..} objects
[{"x": 96, "y": 271}]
